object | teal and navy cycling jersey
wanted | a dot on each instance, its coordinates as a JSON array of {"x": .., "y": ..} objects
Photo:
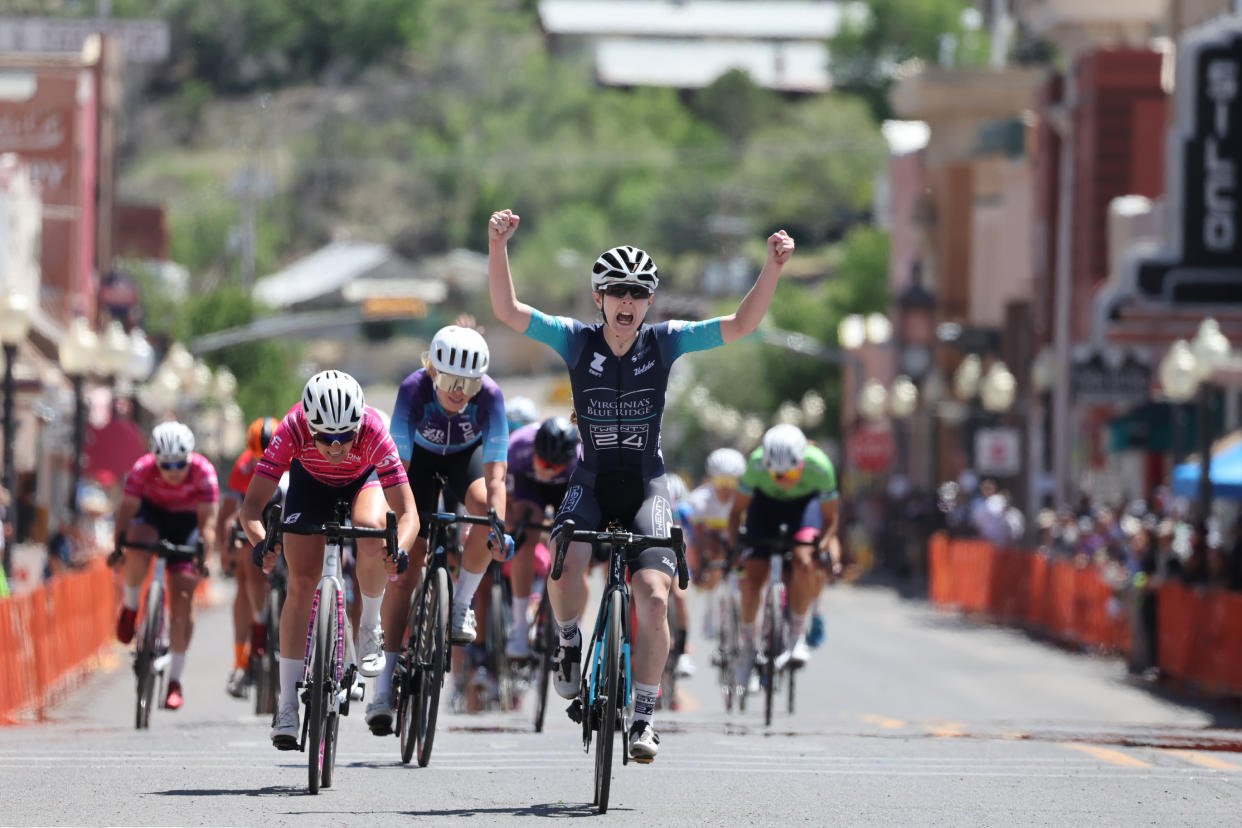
[
  {"x": 620, "y": 400},
  {"x": 418, "y": 419}
]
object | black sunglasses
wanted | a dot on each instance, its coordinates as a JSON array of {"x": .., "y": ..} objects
[
  {"x": 619, "y": 290},
  {"x": 180, "y": 464},
  {"x": 341, "y": 438}
]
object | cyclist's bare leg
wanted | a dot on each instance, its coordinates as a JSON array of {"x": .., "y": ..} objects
[
  {"x": 804, "y": 581},
  {"x": 369, "y": 510},
  {"x": 304, "y": 558},
  {"x": 681, "y": 608},
  {"x": 568, "y": 594},
  {"x": 522, "y": 568},
  {"x": 476, "y": 556},
  {"x": 241, "y": 600},
  {"x": 650, "y": 589},
  {"x": 752, "y": 587},
  {"x": 181, "y": 609},
  {"x": 138, "y": 561}
]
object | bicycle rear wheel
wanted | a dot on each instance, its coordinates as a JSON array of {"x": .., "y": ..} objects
[
  {"x": 545, "y": 644},
  {"x": 267, "y": 678},
  {"x": 335, "y": 666},
  {"x": 317, "y": 699},
  {"x": 145, "y": 665},
  {"x": 607, "y": 704},
  {"x": 432, "y": 657},
  {"x": 771, "y": 643},
  {"x": 727, "y": 650},
  {"x": 497, "y": 638}
]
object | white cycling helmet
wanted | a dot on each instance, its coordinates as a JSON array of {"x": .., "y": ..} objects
[
  {"x": 726, "y": 462},
  {"x": 172, "y": 442},
  {"x": 459, "y": 351},
  {"x": 520, "y": 411},
  {"x": 624, "y": 264},
  {"x": 332, "y": 402},
  {"x": 784, "y": 448}
]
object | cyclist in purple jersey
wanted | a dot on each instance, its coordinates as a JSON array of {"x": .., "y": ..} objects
[
  {"x": 542, "y": 458},
  {"x": 449, "y": 420},
  {"x": 618, "y": 371}
]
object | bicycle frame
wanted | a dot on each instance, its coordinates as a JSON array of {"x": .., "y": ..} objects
[{"x": 594, "y": 708}]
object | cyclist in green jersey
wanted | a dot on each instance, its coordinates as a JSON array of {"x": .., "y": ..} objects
[{"x": 782, "y": 477}]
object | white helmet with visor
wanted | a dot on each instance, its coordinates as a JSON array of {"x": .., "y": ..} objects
[
  {"x": 172, "y": 443},
  {"x": 461, "y": 358},
  {"x": 784, "y": 448},
  {"x": 625, "y": 265},
  {"x": 333, "y": 403}
]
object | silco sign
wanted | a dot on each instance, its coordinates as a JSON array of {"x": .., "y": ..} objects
[{"x": 1204, "y": 262}]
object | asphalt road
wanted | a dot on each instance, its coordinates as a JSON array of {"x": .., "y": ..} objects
[{"x": 906, "y": 716}]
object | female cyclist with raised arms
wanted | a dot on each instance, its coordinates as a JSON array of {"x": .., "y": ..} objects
[
  {"x": 618, "y": 371},
  {"x": 334, "y": 447},
  {"x": 449, "y": 419},
  {"x": 170, "y": 494}
]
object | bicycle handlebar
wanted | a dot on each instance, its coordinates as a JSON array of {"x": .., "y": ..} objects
[
  {"x": 163, "y": 548},
  {"x": 337, "y": 531},
  {"x": 632, "y": 542}
]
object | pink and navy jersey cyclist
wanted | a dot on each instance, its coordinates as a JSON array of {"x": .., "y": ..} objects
[
  {"x": 335, "y": 448},
  {"x": 170, "y": 494}
]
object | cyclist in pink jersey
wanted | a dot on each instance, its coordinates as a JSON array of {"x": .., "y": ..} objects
[
  {"x": 334, "y": 447},
  {"x": 170, "y": 494}
]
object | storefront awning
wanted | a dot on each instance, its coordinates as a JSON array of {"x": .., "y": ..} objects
[{"x": 1225, "y": 471}]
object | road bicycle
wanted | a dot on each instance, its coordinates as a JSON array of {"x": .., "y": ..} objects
[
  {"x": 330, "y": 668},
  {"x": 605, "y": 696},
  {"x": 151, "y": 652},
  {"x": 775, "y": 637},
  {"x": 726, "y": 603},
  {"x": 426, "y": 657}
]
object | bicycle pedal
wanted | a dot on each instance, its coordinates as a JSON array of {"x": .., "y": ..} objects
[{"x": 574, "y": 711}]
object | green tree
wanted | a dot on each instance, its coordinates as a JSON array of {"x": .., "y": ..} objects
[{"x": 872, "y": 42}]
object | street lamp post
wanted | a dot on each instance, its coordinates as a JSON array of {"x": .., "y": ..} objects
[
  {"x": 78, "y": 351},
  {"x": 14, "y": 326},
  {"x": 139, "y": 366}
]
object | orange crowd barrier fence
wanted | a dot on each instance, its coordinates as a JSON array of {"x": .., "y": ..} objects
[
  {"x": 49, "y": 637},
  {"x": 1198, "y": 633}
]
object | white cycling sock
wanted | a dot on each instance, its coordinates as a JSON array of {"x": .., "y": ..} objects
[
  {"x": 520, "y": 624},
  {"x": 175, "y": 667},
  {"x": 258, "y": 617},
  {"x": 748, "y": 632},
  {"x": 568, "y": 630},
  {"x": 798, "y": 625},
  {"x": 467, "y": 585},
  {"x": 370, "y": 610},
  {"x": 290, "y": 674},
  {"x": 383, "y": 682},
  {"x": 644, "y": 701},
  {"x": 132, "y": 594}
]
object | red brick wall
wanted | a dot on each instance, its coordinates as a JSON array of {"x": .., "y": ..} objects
[
  {"x": 1118, "y": 91},
  {"x": 140, "y": 230}
]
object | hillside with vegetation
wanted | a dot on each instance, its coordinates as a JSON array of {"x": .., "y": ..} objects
[{"x": 407, "y": 122}]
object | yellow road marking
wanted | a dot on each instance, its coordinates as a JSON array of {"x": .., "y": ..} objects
[
  {"x": 883, "y": 721},
  {"x": 1204, "y": 760},
  {"x": 1114, "y": 757},
  {"x": 947, "y": 730}
]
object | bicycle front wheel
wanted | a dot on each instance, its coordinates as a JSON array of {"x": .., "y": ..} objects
[
  {"x": 545, "y": 644},
  {"x": 317, "y": 698},
  {"x": 267, "y": 668},
  {"x": 433, "y": 658},
  {"x": 406, "y": 681},
  {"x": 145, "y": 663},
  {"x": 607, "y": 704},
  {"x": 772, "y": 645},
  {"x": 335, "y": 666}
]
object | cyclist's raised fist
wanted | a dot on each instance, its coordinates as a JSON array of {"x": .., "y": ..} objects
[
  {"x": 502, "y": 225},
  {"x": 780, "y": 247}
]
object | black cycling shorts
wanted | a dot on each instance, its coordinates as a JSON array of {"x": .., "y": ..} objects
[
  {"x": 459, "y": 469},
  {"x": 313, "y": 501},
  {"x": 765, "y": 515},
  {"x": 641, "y": 506}
]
